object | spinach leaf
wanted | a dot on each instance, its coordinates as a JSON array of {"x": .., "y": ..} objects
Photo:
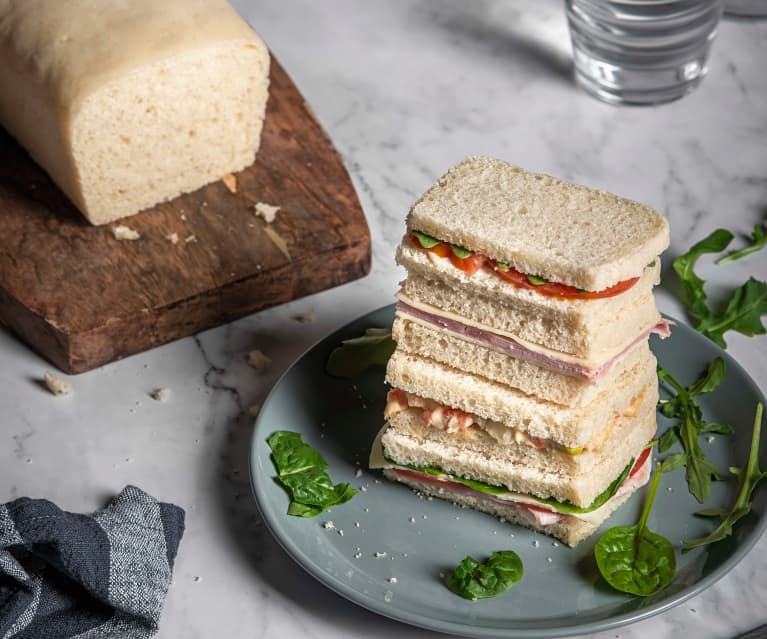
[
  {"x": 747, "y": 304},
  {"x": 748, "y": 478},
  {"x": 634, "y": 559},
  {"x": 473, "y": 580},
  {"x": 699, "y": 470},
  {"x": 426, "y": 241},
  {"x": 301, "y": 471},
  {"x": 355, "y": 355},
  {"x": 758, "y": 242}
]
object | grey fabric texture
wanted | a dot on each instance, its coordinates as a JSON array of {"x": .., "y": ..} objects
[{"x": 101, "y": 576}]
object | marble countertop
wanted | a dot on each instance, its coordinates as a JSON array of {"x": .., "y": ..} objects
[{"x": 405, "y": 89}]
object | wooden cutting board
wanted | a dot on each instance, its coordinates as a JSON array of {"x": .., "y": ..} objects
[{"x": 81, "y": 298}]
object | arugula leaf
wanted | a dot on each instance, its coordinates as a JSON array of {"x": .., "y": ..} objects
[
  {"x": 473, "y": 580},
  {"x": 301, "y": 471},
  {"x": 536, "y": 281},
  {"x": 748, "y": 479},
  {"x": 758, "y": 242},
  {"x": 747, "y": 304},
  {"x": 634, "y": 559},
  {"x": 743, "y": 313},
  {"x": 699, "y": 470},
  {"x": 693, "y": 295},
  {"x": 356, "y": 355}
]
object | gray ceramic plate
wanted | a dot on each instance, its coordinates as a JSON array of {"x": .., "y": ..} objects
[{"x": 389, "y": 549}]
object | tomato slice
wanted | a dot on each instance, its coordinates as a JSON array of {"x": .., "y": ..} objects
[
  {"x": 640, "y": 461},
  {"x": 468, "y": 265},
  {"x": 563, "y": 291}
]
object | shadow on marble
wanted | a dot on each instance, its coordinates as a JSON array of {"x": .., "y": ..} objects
[{"x": 512, "y": 36}]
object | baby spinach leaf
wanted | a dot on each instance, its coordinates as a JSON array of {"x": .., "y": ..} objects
[
  {"x": 473, "y": 580},
  {"x": 634, "y": 559},
  {"x": 748, "y": 479},
  {"x": 355, "y": 355},
  {"x": 758, "y": 242},
  {"x": 301, "y": 471}
]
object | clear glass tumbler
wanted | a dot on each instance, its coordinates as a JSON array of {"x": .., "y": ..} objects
[{"x": 641, "y": 51}]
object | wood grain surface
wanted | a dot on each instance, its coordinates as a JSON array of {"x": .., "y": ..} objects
[{"x": 82, "y": 298}]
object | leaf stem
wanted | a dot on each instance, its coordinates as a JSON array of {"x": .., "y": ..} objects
[{"x": 648, "y": 502}]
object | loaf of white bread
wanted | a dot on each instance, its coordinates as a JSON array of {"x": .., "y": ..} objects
[
  {"x": 522, "y": 383},
  {"x": 128, "y": 104}
]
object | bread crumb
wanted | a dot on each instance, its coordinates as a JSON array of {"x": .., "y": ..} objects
[
  {"x": 57, "y": 386},
  {"x": 160, "y": 394},
  {"x": 392, "y": 580},
  {"x": 122, "y": 232},
  {"x": 254, "y": 410},
  {"x": 172, "y": 238},
  {"x": 231, "y": 182},
  {"x": 183, "y": 217},
  {"x": 304, "y": 318},
  {"x": 258, "y": 360},
  {"x": 266, "y": 211},
  {"x": 329, "y": 525},
  {"x": 190, "y": 239}
]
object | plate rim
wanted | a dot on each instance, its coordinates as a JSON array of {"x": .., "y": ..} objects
[{"x": 385, "y": 609}]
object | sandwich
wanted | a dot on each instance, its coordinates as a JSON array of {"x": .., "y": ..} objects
[{"x": 522, "y": 382}]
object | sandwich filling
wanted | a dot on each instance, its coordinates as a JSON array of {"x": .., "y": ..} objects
[
  {"x": 516, "y": 347},
  {"x": 540, "y": 511},
  {"x": 453, "y": 420},
  {"x": 470, "y": 262}
]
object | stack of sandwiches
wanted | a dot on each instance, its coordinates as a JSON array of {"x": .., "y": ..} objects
[{"x": 522, "y": 382}]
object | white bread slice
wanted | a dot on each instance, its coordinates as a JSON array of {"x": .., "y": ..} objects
[
  {"x": 428, "y": 340},
  {"x": 540, "y": 225},
  {"x": 592, "y": 329},
  {"x": 569, "y": 530},
  {"x": 573, "y": 427},
  {"x": 544, "y": 472},
  {"x": 132, "y": 103}
]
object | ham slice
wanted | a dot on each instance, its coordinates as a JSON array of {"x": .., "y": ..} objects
[{"x": 504, "y": 344}]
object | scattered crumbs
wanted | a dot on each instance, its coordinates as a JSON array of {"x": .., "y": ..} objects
[
  {"x": 122, "y": 232},
  {"x": 412, "y": 520},
  {"x": 378, "y": 481},
  {"x": 197, "y": 580},
  {"x": 425, "y": 517},
  {"x": 304, "y": 318},
  {"x": 555, "y": 544},
  {"x": 341, "y": 532},
  {"x": 356, "y": 524},
  {"x": 254, "y": 410},
  {"x": 404, "y": 554},
  {"x": 367, "y": 510},
  {"x": 392, "y": 580},
  {"x": 388, "y": 596},
  {"x": 230, "y": 181},
  {"x": 495, "y": 532},
  {"x": 258, "y": 360},
  {"x": 549, "y": 559},
  {"x": 128, "y": 459},
  {"x": 190, "y": 239},
  {"x": 457, "y": 517},
  {"x": 358, "y": 473},
  {"x": 160, "y": 394},
  {"x": 364, "y": 489},
  {"x": 357, "y": 555},
  {"x": 349, "y": 574},
  {"x": 669, "y": 489},
  {"x": 183, "y": 217},
  {"x": 277, "y": 240},
  {"x": 511, "y": 535},
  {"x": 501, "y": 520},
  {"x": 329, "y": 525},
  {"x": 429, "y": 498},
  {"x": 205, "y": 204},
  {"x": 56, "y": 385},
  {"x": 266, "y": 211},
  {"x": 380, "y": 554},
  {"x": 172, "y": 238},
  {"x": 536, "y": 543},
  {"x": 710, "y": 439}
]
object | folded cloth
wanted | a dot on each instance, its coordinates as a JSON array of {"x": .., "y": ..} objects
[{"x": 98, "y": 576}]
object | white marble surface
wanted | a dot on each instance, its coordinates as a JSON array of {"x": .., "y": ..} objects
[{"x": 404, "y": 89}]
